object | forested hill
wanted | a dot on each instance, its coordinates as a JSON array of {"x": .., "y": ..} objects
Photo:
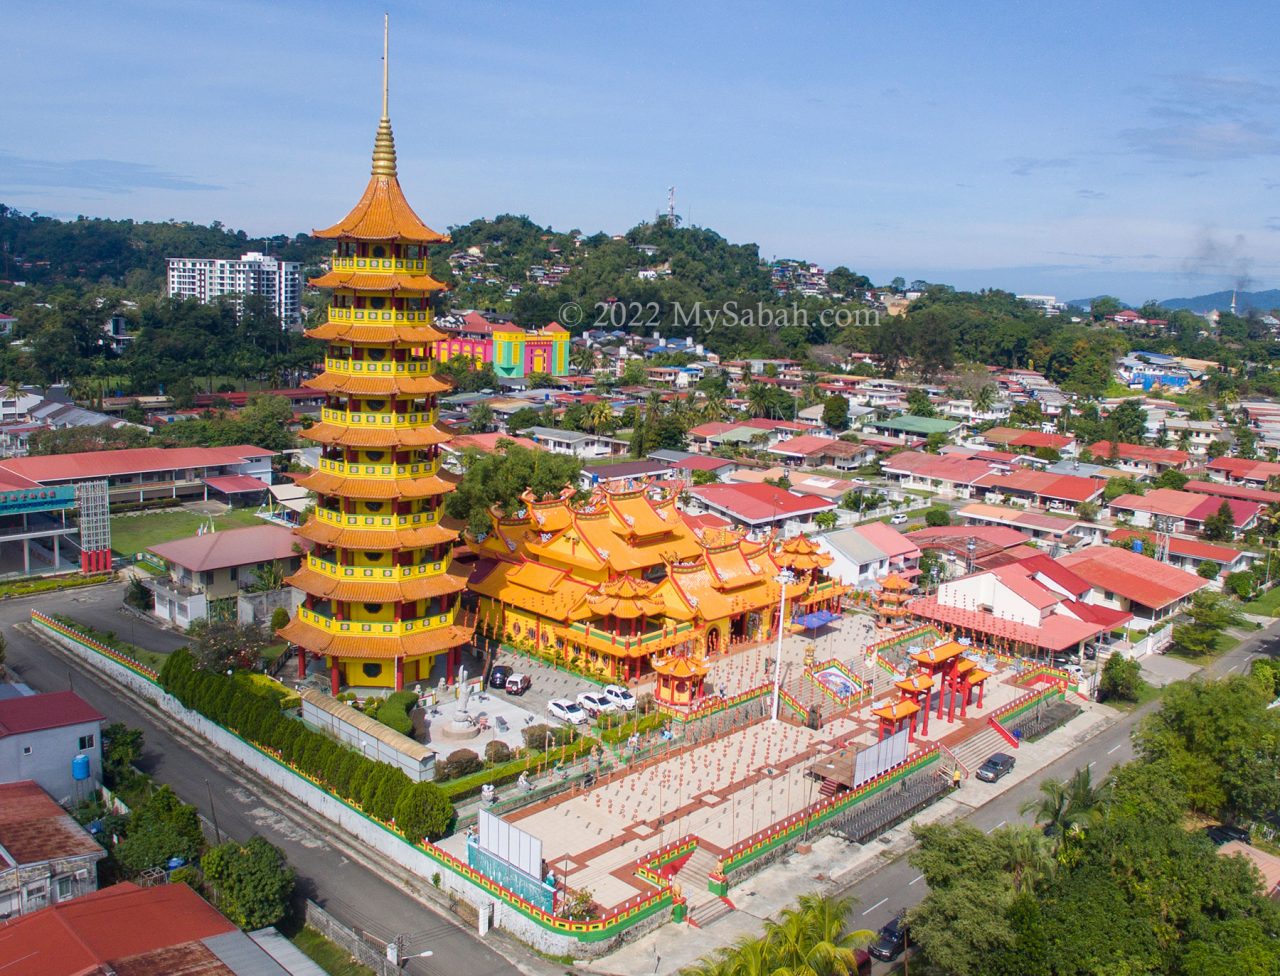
[{"x": 125, "y": 253}]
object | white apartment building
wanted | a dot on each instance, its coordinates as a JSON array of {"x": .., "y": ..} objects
[{"x": 280, "y": 282}]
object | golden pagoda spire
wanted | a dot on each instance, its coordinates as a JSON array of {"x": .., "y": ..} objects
[{"x": 384, "y": 145}]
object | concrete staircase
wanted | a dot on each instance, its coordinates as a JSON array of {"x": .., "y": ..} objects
[
  {"x": 704, "y": 906},
  {"x": 972, "y": 751}
]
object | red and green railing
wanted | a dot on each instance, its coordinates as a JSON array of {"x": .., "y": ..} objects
[
  {"x": 745, "y": 852},
  {"x": 712, "y": 706},
  {"x": 650, "y": 868},
  {"x": 95, "y": 645},
  {"x": 1020, "y": 706}
]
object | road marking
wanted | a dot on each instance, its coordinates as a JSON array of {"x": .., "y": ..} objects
[
  {"x": 1232, "y": 668},
  {"x": 875, "y": 906},
  {"x": 997, "y": 826},
  {"x": 1091, "y": 765},
  {"x": 918, "y": 877},
  {"x": 1114, "y": 748}
]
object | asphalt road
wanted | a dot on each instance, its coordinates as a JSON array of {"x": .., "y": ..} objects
[
  {"x": 225, "y": 794},
  {"x": 898, "y": 885}
]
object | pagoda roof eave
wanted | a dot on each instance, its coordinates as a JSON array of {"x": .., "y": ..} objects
[
  {"x": 382, "y": 214},
  {"x": 378, "y": 540},
  {"x": 432, "y": 641}
]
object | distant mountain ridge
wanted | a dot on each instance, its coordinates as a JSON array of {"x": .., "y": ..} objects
[{"x": 1262, "y": 300}]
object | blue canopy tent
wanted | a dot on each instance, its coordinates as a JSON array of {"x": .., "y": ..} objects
[{"x": 814, "y": 620}]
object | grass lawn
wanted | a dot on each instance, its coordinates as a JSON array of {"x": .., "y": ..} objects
[
  {"x": 1267, "y": 605},
  {"x": 1224, "y": 642},
  {"x": 133, "y": 533},
  {"x": 329, "y": 956}
]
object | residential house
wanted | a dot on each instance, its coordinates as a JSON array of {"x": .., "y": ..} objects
[
  {"x": 1035, "y": 607},
  {"x": 42, "y": 736},
  {"x": 951, "y": 476},
  {"x": 1057, "y": 492},
  {"x": 1029, "y": 441},
  {"x": 1239, "y": 471},
  {"x": 862, "y": 557},
  {"x": 812, "y": 451},
  {"x": 621, "y": 472},
  {"x": 758, "y": 507},
  {"x": 1132, "y": 582},
  {"x": 1138, "y": 459},
  {"x": 1187, "y": 554},
  {"x": 1170, "y": 510},
  {"x": 577, "y": 444},
  {"x": 46, "y": 858},
  {"x": 217, "y": 568}
]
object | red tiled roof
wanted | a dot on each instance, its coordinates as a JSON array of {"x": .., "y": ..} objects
[
  {"x": 1140, "y": 452},
  {"x": 1244, "y": 469},
  {"x": 1135, "y": 577},
  {"x": 940, "y": 467},
  {"x": 233, "y": 547},
  {"x": 1064, "y": 487},
  {"x": 104, "y": 464},
  {"x": 1192, "y": 548},
  {"x": 1058, "y": 632},
  {"x": 803, "y": 445},
  {"x": 1233, "y": 491},
  {"x": 1027, "y": 438},
  {"x": 889, "y": 540},
  {"x": 954, "y": 537},
  {"x": 758, "y": 502},
  {"x": 707, "y": 521},
  {"x": 88, "y": 934},
  {"x": 701, "y": 463},
  {"x": 54, "y": 710},
  {"x": 711, "y": 429},
  {"x": 236, "y": 484},
  {"x": 34, "y": 828},
  {"x": 762, "y": 423},
  {"x": 487, "y": 443},
  {"x": 1055, "y": 572}
]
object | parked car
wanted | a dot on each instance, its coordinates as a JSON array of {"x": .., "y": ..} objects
[
  {"x": 1224, "y": 833},
  {"x": 498, "y": 676},
  {"x": 596, "y": 703},
  {"x": 1090, "y": 653},
  {"x": 898, "y": 519},
  {"x": 996, "y": 765},
  {"x": 1075, "y": 671},
  {"x": 517, "y": 684},
  {"x": 567, "y": 711},
  {"x": 890, "y": 940},
  {"x": 620, "y": 697},
  {"x": 861, "y": 963}
]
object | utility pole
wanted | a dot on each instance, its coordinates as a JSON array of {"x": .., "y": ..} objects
[{"x": 213, "y": 812}]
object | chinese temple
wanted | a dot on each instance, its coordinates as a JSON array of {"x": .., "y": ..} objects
[
  {"x": 382, "y": 594},
  {"x": 616, "y": 583}
]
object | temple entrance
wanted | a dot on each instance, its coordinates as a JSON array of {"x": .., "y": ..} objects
[{"x": 713, "y": 642}]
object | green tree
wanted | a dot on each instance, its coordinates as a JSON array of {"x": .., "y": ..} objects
[
  {"x": 423, "y": 811},
  {"x": 937, "y": 516},
  {"x": 1171, "y": 478},
  {"x": 121, "y": 748},
  {"x": 162, "y": 827},
  {"x": 252, "y": 882},
  {"x": 919, "y": 404},
  {"x": 221, "y": 645},
  {"x": 1221, "y": 525},
  {"x": 1121, "y": 679},
  {"x": 479, "y": 418},
  {"x": 826, "y": 520},
  {"x": 1208, "y": 569},
  {"x": 502, "y": 477},
  {"x": 835, "y": 412}
]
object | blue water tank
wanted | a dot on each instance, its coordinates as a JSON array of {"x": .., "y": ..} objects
[
  {"x": 80, "y": 767},
  {"x": 1137, "y": 545}
]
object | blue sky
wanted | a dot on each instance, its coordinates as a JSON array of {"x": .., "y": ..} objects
[{"x": 1070, "y": 149}]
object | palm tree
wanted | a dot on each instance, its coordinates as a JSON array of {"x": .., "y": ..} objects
[
  {"x": 985, "y": 398},
  {"x": 714, "y": 408},
  {"x": 814, "y": 939},
  {"x": 479, "y": 418},
  {"x": 1084, "y": 800},
  {"x": 1026, "y": 856},
  {"x": 601, "y": 417},
  {"x": 583, "y": 358},
  {"x": 1051, "y": 808},
  {"x": 758, "y": 399}
]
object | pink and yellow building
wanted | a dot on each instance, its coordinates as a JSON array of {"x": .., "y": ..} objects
[{"x": 513, "y": 353}]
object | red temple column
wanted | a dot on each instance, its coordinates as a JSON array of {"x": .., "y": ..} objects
[
  {"x": 451, "y": 669},
  {"x": 302, "y": 663},
  {"x": 335, "y": 679},
  {"x": 399, "y": 674}
]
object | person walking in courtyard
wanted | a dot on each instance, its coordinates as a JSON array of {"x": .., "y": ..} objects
[{"x": 956, "y": 776}]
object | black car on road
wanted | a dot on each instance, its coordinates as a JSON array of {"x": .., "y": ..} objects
[
  {"x": 1223, "y": 834},
  {"x": 997, "y": 764},
  {"x": 498, "y": 676},
  {"x": 890, "y": 940}
]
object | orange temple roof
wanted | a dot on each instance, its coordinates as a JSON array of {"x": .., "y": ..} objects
[
  {"x": 376, "y": 591},
  {"x": 904, "y": 708},
  {"x": 939, "y": 653},
  {"x": 372, "y": 281},
  {"x": 626, "y": 597},
  {"x": 318, "y": 641},
  {"x": 327, "y": 534},
  {"x": 370, "y": 436},
  {"x": 917, "y": 682},
  {"x": 418, "y": 335},
  {"x": 681, "y": 666},
  {"x": 895, "y": 582},
  {"x": 375, "y": 489},
  {"x": 375, "y": 385},
  {"x": 802, "y": 553}
]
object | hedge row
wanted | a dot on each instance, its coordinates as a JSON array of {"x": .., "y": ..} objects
[
  {"x": 381, "y": 790},
  {"x": 646, "y": 723},
  {"x": 468, "y": 786},
  {"x": 28, "y": 586}
]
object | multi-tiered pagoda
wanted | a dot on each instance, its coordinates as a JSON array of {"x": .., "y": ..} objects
[{"x": 382, "y": 595}]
